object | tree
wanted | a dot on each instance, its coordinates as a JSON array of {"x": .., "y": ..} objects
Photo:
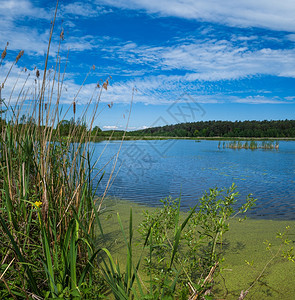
[
  {"x": 63, "y": 127},
  {"x": 96, "y": 131},
  {"x": 196, "y": 132}
]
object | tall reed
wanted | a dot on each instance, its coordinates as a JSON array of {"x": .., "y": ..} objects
[{"x": 48, "y": 212}]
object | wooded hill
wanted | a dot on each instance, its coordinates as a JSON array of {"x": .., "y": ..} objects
[
  {"x": 225, "y": 129},
  {"x": 258, "y": 129}
]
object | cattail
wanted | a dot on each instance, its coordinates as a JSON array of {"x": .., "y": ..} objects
[
  {"x": 74, "y": 107},
  {"x": 21, "y": 53},
  {"x": 98, "y": 85},
  {"x": 45, "y": 106},
  {"x": 4, "y": 51},
  {"x": 37, "y": 73},
  {"x": 62, "y": 35},
  {"x": 105, "y": 84}
]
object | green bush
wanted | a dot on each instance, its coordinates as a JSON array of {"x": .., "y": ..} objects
[{"x": 180, "y": 254}]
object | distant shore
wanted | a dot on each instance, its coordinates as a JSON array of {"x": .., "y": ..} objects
[{"x": 217, "y": 138}]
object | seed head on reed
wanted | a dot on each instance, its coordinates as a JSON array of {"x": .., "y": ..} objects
[
  {"x": 74, "y": 107},
  {"x": 93, "y": 67},
  {"x": 98, "y": 85},
  {"x": 4, "y": 51},
  {"x": 105, "y": 84},
  {"x": 21, "y": 53},
  {"x": 62, "y": 35},
  {"x": 37, "y": 73}
]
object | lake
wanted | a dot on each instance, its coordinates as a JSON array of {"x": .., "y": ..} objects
[{"x": 148, "y": 171}]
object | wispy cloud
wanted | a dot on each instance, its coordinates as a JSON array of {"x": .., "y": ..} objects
[
  {"x": 208, "y": 60},
  {"x": 154, "y": 90},
  {"x": 259, "y": 100},
  {"x": 23, "y": 36},
  {"x": 20, "y": 26},
  {"x": 15, "y": 9},
  {"x": 272, "y": 14},
  {"x": 290, "y": 98},
  {"x": 82, "y": 9}
]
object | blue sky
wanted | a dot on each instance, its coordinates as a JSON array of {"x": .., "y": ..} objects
[{"x": 188, "y": 60}]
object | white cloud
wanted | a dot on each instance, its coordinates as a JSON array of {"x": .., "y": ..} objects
[
  {"x": 208, "y": 60},
  {"x": 22, "y": 36},
  {"x": 82, "y": 9},
  {"x": 290, "y": 98},
  {"x": 15, "y": 9},
  {"x": 28, "y": 39},
  {"x": 155, "y": 90},
  {"x": 80, "y": 43},
  {"x": 110, "y": 127},
  {"x": 35, "y": 42},
  {"x": 244, "y": 38},
  {"x": 259, "y": 100},
  {"x": 78, "y": 9},
  {"x": 18, "y": 26},
  {"x": 18, "y": 84},
  {"x": 291, "y": 37},
  {"x": 272, "y": 14}
]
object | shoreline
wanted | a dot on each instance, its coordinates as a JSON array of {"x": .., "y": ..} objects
[
  {"x": 118, "y": 202},
  {"x": 217, "y": 138}
]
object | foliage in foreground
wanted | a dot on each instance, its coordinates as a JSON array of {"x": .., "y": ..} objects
[
  {"x": 181, "y": 257},
  {"x": 48, "y": 217}
]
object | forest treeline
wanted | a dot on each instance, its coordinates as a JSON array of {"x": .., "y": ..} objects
[{"x": 228, "y": 129}]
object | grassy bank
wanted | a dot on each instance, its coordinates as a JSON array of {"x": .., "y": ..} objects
[{"x": 245, "y": 241}]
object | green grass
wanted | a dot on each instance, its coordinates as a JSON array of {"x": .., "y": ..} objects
[{"x": 48, "y": 212}]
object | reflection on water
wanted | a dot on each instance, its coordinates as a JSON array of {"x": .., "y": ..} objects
[{"x": 147, "y": 171}]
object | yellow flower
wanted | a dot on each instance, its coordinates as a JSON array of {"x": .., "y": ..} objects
[{"x": 38, "y": 203}]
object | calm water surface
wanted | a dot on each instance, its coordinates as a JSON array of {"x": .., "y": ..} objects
[{"x": 148, "y": 171}]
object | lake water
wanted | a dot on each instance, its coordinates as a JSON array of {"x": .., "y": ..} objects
[{"x": 148, "y": 171}]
